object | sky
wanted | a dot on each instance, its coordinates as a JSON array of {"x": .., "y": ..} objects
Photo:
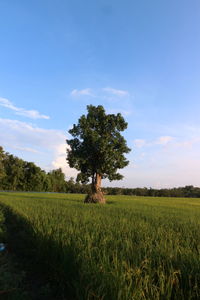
[{"x": 140, "y": 58}]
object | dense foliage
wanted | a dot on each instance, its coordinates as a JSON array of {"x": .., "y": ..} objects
[
  {"x": 97, "y": 149},
  {"x": 134, "y": 248}
]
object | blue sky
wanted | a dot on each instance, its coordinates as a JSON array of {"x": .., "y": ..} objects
[{"x": 140, "y": 58}]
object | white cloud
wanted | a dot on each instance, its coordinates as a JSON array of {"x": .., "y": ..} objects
[
  {"x": 45, "y": 147},
  {"x": 115, "y": 92},
  {"x": 33, "y": 114},
  {"x": 84, "y": 92},
  {"x": 14, "y": 130},
  {"x": 25, "y": 149},
  {"x": 164, "y": 140},
  {"x": 60, "y": 161}
]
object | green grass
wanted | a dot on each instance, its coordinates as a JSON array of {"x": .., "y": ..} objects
[{"x": 130, "y": 248}]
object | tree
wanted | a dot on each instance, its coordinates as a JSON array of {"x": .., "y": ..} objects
[
  {"x": 34, "y": 177},
  {"x": 2, "y": 169},
  {"x": 57, "y": 179},
  {"x": 14, "y": 168},
  {"x": 97, "y": 149}
]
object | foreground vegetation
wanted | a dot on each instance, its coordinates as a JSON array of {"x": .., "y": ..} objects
[
  {"x": 11, "y": 276},
  {"x": 131, "y": 248}
]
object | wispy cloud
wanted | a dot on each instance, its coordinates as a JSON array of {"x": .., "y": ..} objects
[
  {"x": 27, "y": 149},
  {"x": 33, "y": 114},
  {"x": 108, "y": 93},
  {"x": 164, "y": 140},
  {"x": 84, "y": 92},
  {"x": 116, "y": 92}
]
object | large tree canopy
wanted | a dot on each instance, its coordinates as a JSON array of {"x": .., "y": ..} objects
[{"x": 97, "y": 148}]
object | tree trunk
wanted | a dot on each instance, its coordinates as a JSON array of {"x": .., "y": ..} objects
[{"x": 96, "y": 195}]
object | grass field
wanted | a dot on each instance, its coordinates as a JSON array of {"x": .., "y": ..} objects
[{"x": 130, "y": 248}]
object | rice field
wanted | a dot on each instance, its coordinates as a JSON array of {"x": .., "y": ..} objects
[{"x": 131, "y": 248}]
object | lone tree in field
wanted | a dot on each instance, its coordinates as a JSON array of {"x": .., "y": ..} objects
[{"x": 97, "y": 149}]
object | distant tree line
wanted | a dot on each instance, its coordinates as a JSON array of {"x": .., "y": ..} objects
[
  {"x": 187, "y": 191},
  {"x": 19, "y": 175}
]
